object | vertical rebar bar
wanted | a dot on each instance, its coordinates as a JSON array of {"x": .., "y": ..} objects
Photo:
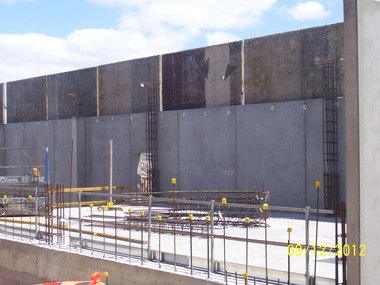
[
  {"x": 142, "y": 237},
  {"x": 191, "y": 243},
  {"x": 5, "y": 213},
  {"x": 92, "y": 226},
  {"x": 114, "y": 209},
  {"x": 212, "y": 242},
  {"x": 106, "y": 275},
  {"x": 159, "y": 219},
  {"x": 71, "y": 183},
  {"x": 208, "y": 245},
  {"x": 344, "y": 257},
  {"x": 289, "y": 231},
  {"x": 80, "y": 219},
  {"x": 224, "y": 202},
  {"x": 30, "y": 216},
  {"x": 307, "y": 242},
  {"x": 22, "y": 183},
  {"x": 265, "y": 208},
  {"x": 174, "y": 181},
  {"x": 130, "y": 228},
  {"x": 111, "y": 170},
  {"x": 318, "y": 186},
  {"x": 149, "y": 257},
  {"x": 104, "y": 232},
  {"x": 336, "y": 243},
  {"x": 247, "y": 221}
]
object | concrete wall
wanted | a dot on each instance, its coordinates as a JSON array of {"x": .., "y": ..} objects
[
  {"x": 281, "y": 67},
  {"x": 221, "y": 148},
  {"x": 56, "y": 135},
  {"x": 26, "y": 100},
  {"x": 210, "y": 76},
  {"x": 2, "y": 93},
  {"x": 79, "y": 82},
  {"x": 29, "y": 264},
  {"x": 368, "y": 15},
  {"x": 352, "y": 137},
  {"x": 119, "y": 85},
  {"x": 276, "y": 68}
]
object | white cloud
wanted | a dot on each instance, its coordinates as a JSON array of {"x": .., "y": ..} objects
[
  {"x": 31, "y": 55},
  {"x": 211, "y": 14},
  {"x": 311, "y": 10},
  {"x": 147, "y": 27},
  {"x": 220, "y": 37}
]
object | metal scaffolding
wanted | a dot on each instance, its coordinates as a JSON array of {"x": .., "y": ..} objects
[
  {"x": 330, "y": 132},
  {"x": 152, "y": 108}
]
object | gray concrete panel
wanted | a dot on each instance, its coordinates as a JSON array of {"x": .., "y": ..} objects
[
  {"x": 115, "y": 90},
  {"x": 314, "y": 150},
  {"x": 352, "y": 150},
  {"x": 26, "y": 100},
  {"x": 2, "y": 102},
  {"x": 36, "y": 135},
  {"x": 119, "y": 85},
  {"x": 281, "y": 67},
  {"x": 183, "y": 79},
  {"x": 271, "y": 150},
  {"x": 56, "y": 135},
  {"x": 222, "y": 91},
  {"x": 78, "y": 82},
  {"x": 236, "y": 80},
  {"x": 13, "y": 136},
  {"x": 143, "y": 70},
  {"x": 60, "y": 152},
  {"x": 207, "y": 149},
  {"x": 137, "y": 144},
  {"x": 168, "y": 143},
  {"x": 2, "y": 152},
  {"x": 272, "y": 68},
  {"x": 99, "y": 131},
  {"x": 323, "y": 42}
]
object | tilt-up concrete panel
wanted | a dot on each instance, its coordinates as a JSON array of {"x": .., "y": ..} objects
[
  {"x": 223, "y": 81},
  {"x": 183, "y": 79},
  {"x": 168, "y": 156},
  {"x": 120, "y": 91},
  {"x": 324, "y": 42},
  {"x": 2, "y": 152},
  {"x": 13, "y": 136},
  {"x": 271, "y": 150},
  {"x": 56, "y": 135},
  {"x": 272, "y": 68},
  {"x": 137, "y": 138},
  {"x": 100, "y": 131},
  {"x": 314, "y": 150},
  {"x": 207, "y": 149},
  {"x": 60, "y": 153},
  {"x": 282, "y": 67},
  {"x": 26, "y": 100},
  {"x": 368, "y": 21},
  {"x": 35, "y": 136},
  {"x": 72, "y": 94},
  {"x": 2, "y": 85}
]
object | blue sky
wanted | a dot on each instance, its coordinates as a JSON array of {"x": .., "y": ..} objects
[{"x": 39, "y": 37}]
